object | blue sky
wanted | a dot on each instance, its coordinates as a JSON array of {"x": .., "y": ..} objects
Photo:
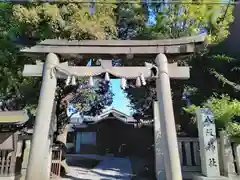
[{"x": 120, "y": 101}]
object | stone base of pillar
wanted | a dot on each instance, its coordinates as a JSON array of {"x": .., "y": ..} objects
[
  {"x": 210, "y": 178},
  {"x": 8, "y": 178},
  {"x": 233, "y": 176}
]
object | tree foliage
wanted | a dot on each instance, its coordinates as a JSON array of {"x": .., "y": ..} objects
[
  {"x": 25, "y": 25},
  {"x": 226, "y": 112},
  {"x": 130, "y": 18},
  {"x": 179, "y": 20},
  {"x": 71, "y": 20}
]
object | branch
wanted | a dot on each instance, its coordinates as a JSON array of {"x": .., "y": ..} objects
[
  {"x": 224, "y": 80},
  {"x": 73, "y": 114},
  {"x": 235, "y": 69}
]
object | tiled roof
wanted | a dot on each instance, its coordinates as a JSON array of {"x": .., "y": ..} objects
[{"x": 108, "y": 114}]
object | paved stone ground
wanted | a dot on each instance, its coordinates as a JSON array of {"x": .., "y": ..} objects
[{"x": 110, "y": 168}]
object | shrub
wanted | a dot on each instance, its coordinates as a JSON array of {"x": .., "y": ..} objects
[{"x": 225, "y": 110}]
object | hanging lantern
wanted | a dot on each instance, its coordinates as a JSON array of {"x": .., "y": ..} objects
[
  {"x": 73, "y": 81},
  {"x": 138, "y": 82},
  {"x": 123, "y": 83},
  {"x": 107, "y": 78},
  {"x": 91, "y": 84},
  {"x": 143, "y": 80},
  {"x": 68, "y": 80}
]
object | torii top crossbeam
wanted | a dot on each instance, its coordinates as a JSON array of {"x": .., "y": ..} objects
[{"x": 108, "y": 49}]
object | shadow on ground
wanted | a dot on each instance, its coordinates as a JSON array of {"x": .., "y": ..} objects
[
  {"x": 74, "y": 178},
  {"x": 84, "y": 163},
  {"x": 139, "y": 169}
]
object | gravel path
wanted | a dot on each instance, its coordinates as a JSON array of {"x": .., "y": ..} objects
[{"x": 110, "y": 168}]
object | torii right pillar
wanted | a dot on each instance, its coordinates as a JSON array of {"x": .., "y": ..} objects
[{"x": 168, "y": 129}]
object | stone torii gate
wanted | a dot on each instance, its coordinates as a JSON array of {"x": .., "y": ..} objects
[{"x": 109, "y": 49}]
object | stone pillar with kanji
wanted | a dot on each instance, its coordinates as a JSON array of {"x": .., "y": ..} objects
[{"x": 208, "y": 143}]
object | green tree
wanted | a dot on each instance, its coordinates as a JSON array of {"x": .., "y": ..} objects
[
  {"x": 226, "y": 112},
  {"x": 130, "y": 17},
  {"x": 25, "y": 25},
  {"x": 179, "y": 20}
]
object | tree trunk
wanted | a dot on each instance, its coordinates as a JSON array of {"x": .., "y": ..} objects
[{"x": 62, "y": 138}]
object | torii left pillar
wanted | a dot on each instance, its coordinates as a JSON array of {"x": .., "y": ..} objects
[{"x": 37, "y": 163}]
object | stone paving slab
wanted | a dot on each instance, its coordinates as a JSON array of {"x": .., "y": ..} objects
[{"x": 110, "y": 168}]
